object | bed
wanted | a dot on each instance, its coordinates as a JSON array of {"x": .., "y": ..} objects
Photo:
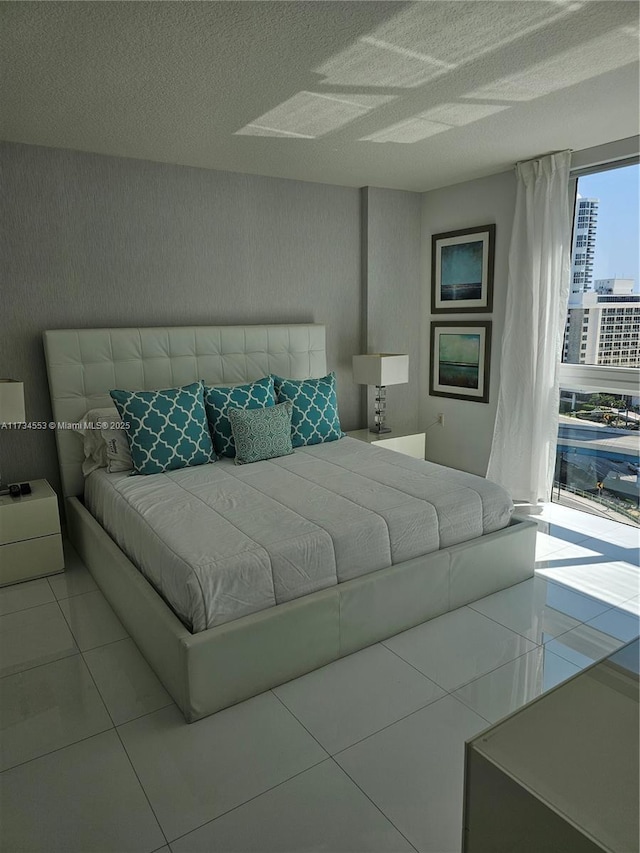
[{"x": 350, "y": 603}]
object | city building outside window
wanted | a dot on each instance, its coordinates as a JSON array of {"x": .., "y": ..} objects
[{"x": 599, "y": 435}]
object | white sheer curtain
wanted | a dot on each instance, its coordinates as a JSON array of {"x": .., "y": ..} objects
[{"x": 525, "y": 434}]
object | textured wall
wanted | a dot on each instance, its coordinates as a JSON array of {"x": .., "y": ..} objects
[
  {"x": 465, "y": 439},
  {"x": 90, "y": 241},
  {"x": 391, "y": 294}
]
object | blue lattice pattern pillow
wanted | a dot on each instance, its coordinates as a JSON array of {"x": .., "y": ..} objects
[
  {"x": 218, "y": 399},
  {"x": 314, "y": 419},
  {"x": 261, "y": 433},
  {"x": 167, "y": 429}
]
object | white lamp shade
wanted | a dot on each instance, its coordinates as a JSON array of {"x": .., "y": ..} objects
[
  {"x": 11, "y": 402},
  {"x": 381, "y": 368}
]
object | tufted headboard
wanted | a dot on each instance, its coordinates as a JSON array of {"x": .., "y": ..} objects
[{"x": 83, "y": 365}]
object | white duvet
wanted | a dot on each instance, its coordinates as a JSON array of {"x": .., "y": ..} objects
[{"x": 221, "y": 541}]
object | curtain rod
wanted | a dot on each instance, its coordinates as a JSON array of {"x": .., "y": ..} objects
[{"x": 542, "y": 156}]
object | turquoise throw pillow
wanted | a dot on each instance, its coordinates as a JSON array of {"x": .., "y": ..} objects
[
  {"x": 314, "y": 419},
  {"x": 167, "y": 429},
  {"x": 261, "y": 433},
  {"x": 217, "y": 399}
]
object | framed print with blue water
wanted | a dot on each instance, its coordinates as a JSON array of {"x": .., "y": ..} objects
[
  {"x": 460, "y": 360},
  {"x": 462, "y": 271}
]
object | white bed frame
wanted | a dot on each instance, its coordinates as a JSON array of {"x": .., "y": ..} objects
[{"x": 213, "y": 669}]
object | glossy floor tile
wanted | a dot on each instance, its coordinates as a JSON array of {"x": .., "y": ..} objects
[
  {"x": 617, "y": 534},
  {"x": 75, "y": 579},
  {"x": 512, "y": 685},
  {"x": 584, "y": 645},
  {"x": 589, "y": 573},
  {"x": 46, "y": 708},
  {"x": 413, "y": 771},
  {"x": 32, "y": 637},
  {"x": 81, "y": 798},
  {"x": 126, "y": 682},
  {"x": 318, "y": 810},
  {"x": 566, "y": 599},
  {"x": 537, "y": 609},
  {"x": 369, "y": 690},
  {"x": 559, "y": 527},
  {"x": 632, "y": 605},
  {"x": 564, "y": 518},
  {"x": 258, "y": 776},
  {"x": 458, "y": 646},
  {"x": 552, "y": 538},
  {"x": 626, "y": 553},
  {"x": 628, "y": 657},
  {"x": 91, "y": 619},
  {"x": 21, "y": 596},
  {"x": 618, "y": 623},
  {"x": 193, "y": 773}
]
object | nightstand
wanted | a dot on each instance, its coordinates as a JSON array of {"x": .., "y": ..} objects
[
  {"x": 30, "y": 538},
  {"x": 411, "y": 444}
]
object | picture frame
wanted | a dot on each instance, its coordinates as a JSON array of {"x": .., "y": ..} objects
[
  {"x": 462, "y": 264},
  {"x": 460, "y": 360}
]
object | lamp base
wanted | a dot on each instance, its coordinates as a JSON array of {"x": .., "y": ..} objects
[{"x": 378, "y": 431}]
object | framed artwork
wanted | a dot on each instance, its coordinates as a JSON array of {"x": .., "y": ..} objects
[
  {"x": 462, "y": 271},
  {"x": 460, "y": 360}
]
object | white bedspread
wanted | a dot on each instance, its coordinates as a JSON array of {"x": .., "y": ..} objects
[{"x": 221, "y": 541}]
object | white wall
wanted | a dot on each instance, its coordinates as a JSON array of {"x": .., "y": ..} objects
[
  {"x": 465, "y": 439},
  {"x": 91, "y": 241},
  {"x": 391, "y": 295}
]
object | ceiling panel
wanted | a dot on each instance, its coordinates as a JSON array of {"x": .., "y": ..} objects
[{"x": 405, "y": 95}]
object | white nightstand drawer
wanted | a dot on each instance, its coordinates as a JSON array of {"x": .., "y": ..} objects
[
  {"x": 29, "y": 516},
  {"x": 32, "y": 558},
  {"x": 411, "y": 445}
]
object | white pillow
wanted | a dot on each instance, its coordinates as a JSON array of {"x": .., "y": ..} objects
[{"x": 105, "y": 441}]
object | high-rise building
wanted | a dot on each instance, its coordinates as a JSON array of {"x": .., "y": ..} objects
[
  {"x": 614, "y": 286},
  {"x": 603, "y": 325},
  {"x": 584, "y": 241}
]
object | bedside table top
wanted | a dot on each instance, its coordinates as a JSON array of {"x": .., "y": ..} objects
[
  {"x": 39, "y": 489},
  {"x": 367, "y": 435}
]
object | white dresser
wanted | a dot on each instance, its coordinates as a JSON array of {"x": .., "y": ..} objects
[
  {"x": 30, "y": 538},
  {"x": 561, "y": 773}
]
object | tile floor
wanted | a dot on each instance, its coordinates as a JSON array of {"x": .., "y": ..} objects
[{"x": 362, "y": 755}]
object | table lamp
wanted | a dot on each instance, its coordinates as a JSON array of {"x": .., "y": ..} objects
[{"x": 381, "y": 369}]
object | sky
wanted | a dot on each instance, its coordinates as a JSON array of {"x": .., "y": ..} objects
[{"x": 617, "y": 237}]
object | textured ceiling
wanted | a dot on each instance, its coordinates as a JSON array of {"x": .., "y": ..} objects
[{"x": 392, "y": 94}]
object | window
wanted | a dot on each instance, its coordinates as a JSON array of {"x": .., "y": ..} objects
[
  {"x": 598, "y": 452},
  {"x": 609, "y": 273}
]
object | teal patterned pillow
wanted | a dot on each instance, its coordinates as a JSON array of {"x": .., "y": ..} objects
[
  {"x": 261, "y": 433},
  {"x": 217, "y": 399},
  {"x": 314, "y": 419},
  {"x": 167, "y": 429}
]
